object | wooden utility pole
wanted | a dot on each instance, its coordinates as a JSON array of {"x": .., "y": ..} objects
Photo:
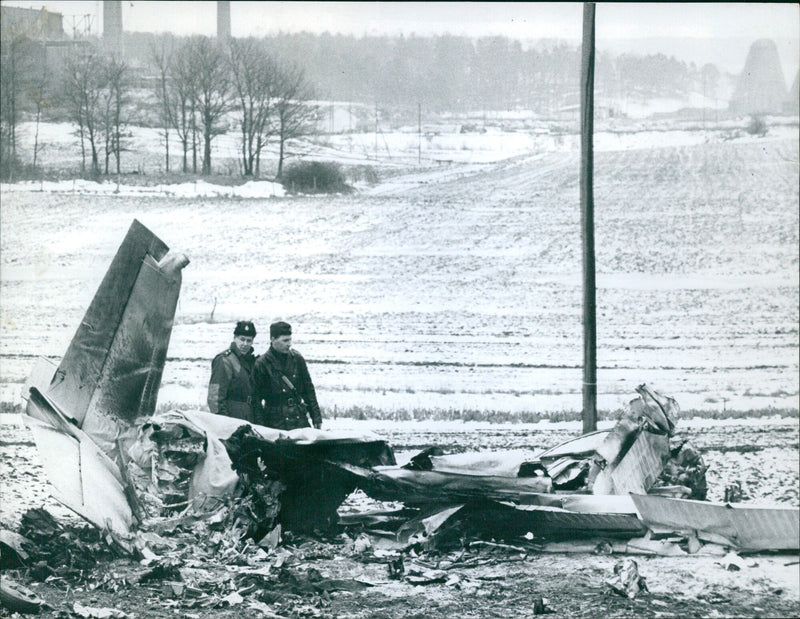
[
  {"x": 587, "y": 223},
  {"x": 419, "y": 134},
  {"x": 376, "y": 131}
]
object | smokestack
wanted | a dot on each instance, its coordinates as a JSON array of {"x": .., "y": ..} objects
[
  {"x": 223, "y": 21},
  {"x": 761, "y": 88},
  {"x": 112, "y": 26}
]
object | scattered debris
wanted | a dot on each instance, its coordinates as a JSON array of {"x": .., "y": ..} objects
[
  {"x": 749, "y": 528},
  {"x": 626, "y": 580},
  {"x": 684, "y": 475},
  {"x": 541, "y": 606},
  {"x": 221, "y": 513},
  {"x": 734, "y": 563},
  {"x": 89, "y": 612},
  {"x": 15, "y": 550},
  {"x": 65, "y": 551},
  {"x": 396, "y": 568},
  {"x": 17, "y": 598},
  {"x": 734, "y": 492}
]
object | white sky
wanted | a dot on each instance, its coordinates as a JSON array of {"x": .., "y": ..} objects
[
  {"x": 520, "y": 20},
  {"x": 514, "y": 19}
]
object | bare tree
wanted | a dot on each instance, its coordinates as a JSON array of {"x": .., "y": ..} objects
[
  {"x": 115, "y": 94},
  {"x": 82, "y": 82},
  {"x": 212, "y": 95},
  {"x": 295, "y": 113},
  {"x": 182, "y": 98},
  {"x": 15, "y": 62},
  {"x": 161, "y": 55},
  {"x": 253, "y": 80},
  {"x": 39, "y": 95}
]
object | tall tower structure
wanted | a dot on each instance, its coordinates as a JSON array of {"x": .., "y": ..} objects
[
  {"x": 223, "y": 21},
  {"x": 761, "y": 88},
  {"x": 112, "y": 26}
]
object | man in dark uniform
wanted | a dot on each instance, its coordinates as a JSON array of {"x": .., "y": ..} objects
[
  {"x": 230, "y": 388},
  {"x": 282, "y": 385}
]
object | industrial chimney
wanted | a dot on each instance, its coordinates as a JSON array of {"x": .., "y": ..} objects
[
  {"x": 112, "y": 26},
  {"x": 761, "y": 88},
  {"x": 223, "y": 21}
]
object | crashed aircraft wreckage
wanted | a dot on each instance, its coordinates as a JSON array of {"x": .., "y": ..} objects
[{"x": 116, "y": 462}]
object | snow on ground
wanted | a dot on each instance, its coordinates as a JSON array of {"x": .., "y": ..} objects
[
  {"x": 454, "y": 286},
  {"x": 60, "y": 147},
  {"x": 194, "y": 189}
]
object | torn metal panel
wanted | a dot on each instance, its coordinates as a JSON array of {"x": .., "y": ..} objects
[
  {"x": 382, "y": 519},
  {"x": 497, "y": 463},
  {"x": 676, "y": 492},
  {"x": 661, "y": 410},
  {"x": 131, "y": 375},
  {"x": 555, "y": 522},
  {"x": 314, "y": 474},
  {"x": 307, "y": 462},
  {"x": 663, "y": 548},
  {"x": 747, "y": 527},
  {"x": 81, "y": 369},
  {"x": 507, "y": 520},
  {"x": 568, "y": 473},
  {"x": 638, "y": 469},
  {"x": 83, "y": 477},
  {"x": 619, "y": 440},
  {"x": 129, "y": 381},
  {"x": 584, "y": 503},
  {"x": 419, "y": 487},
  {"x": 426, "y": 524},
  {"x": 40, "y": 377},
  {"x": 585, "y": 445},
  {"x": 626, "y": 580}
]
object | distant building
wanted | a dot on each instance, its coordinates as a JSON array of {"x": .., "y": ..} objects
[
  {"x": 761, "y": 88},
  {"x": 35, "y": 24},
  {"x": 42, "y": 34},
  {"x": 112, "y": 26},
  {"x": 223, "y": 21}
]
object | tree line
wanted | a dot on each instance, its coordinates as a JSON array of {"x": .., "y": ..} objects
[
  {"x": 457, "y": 73},
  {"x": 447, "y": 73},
  {"x": 201, "y": 88},
  {"x": 264, "y": 87}
]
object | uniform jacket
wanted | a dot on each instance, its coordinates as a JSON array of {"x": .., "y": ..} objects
[
  {"x": 230, "y": 388},
  {"x": 283, "y": 389}
]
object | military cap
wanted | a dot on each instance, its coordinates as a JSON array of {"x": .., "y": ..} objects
[
  {"x": 277, "y": 329},
  {"x": 245, "y": 327}
]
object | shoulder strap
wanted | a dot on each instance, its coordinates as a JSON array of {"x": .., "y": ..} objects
[
  {"x": 272, "y": 361},
  {"x": 237, "y": 365}
]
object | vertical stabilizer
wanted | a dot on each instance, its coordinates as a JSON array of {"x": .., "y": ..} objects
[{"x": 112, "y": 369}]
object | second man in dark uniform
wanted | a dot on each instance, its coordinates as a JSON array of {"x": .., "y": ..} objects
[{"x": 282, "y": 386}]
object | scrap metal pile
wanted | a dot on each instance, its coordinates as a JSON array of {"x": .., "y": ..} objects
[{"x": 197, "y": 487}]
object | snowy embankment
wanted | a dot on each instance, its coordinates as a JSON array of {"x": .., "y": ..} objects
[{"x": 194, "y": 189}]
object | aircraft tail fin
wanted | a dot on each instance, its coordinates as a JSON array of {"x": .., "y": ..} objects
[{"x": 113, "y": 366}]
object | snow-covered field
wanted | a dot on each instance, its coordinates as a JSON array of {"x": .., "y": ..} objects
[
  {"x": 503, "y": 138},
  {"x": 454, "y": 286}
]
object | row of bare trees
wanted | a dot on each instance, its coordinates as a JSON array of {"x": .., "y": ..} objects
[
  {"x": 96, "y": 92},
  {"x": 202, "y": 90},
  {"x": 23, "y": 87},
  {"x": 202, "y": 86},
  {"x": 90, "y": 89}
]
